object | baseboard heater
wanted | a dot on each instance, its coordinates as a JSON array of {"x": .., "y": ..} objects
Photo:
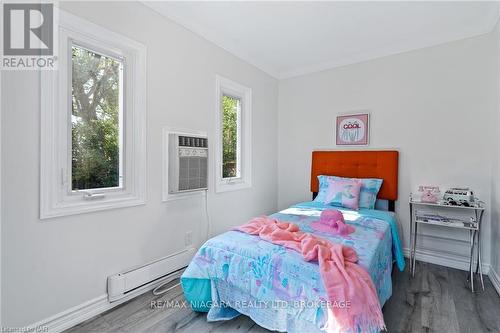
[{"x": 145, "y": 276}]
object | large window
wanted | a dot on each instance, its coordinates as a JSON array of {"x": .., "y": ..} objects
[
  {"x": 96, "y": 119},
  {"x": 93, "y": 122},
  {"x": 233, "y": 144}
]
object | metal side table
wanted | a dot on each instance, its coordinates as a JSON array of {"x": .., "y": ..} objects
[{"x": 473, "y": 226}]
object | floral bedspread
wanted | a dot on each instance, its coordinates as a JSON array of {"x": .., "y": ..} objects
[{"x": 235, "y": 273}]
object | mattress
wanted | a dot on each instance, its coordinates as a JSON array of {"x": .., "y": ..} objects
[{"x": 235, "y": 273}]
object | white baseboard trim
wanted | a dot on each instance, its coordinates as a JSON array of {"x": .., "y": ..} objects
[
  {"x": 444, "y": 259},
  {"x": 74, "y": 316},
  {"x": 78, "y": 314},
  {"x": 495, "y": 280}
]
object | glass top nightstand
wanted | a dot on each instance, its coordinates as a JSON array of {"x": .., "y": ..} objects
[{"x": 440, "y": 217}]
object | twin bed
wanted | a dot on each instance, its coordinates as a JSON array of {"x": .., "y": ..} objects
[{"x": 236, "y": 273}]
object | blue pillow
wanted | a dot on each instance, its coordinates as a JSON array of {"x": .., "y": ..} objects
[{"x": 368, "y": 193}]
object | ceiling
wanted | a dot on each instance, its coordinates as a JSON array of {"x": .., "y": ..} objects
[{"x": 287, "y": 39}]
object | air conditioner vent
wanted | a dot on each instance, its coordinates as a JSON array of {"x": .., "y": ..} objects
[
  {"x": 190, "y": 141},
  {"x": 188, "y": 163}
]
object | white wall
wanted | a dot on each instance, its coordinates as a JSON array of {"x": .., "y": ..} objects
[
  {"x": 50, "y": 266},
  {"x": 434, "y": 105},
  {"x": 495, "y": 198}
]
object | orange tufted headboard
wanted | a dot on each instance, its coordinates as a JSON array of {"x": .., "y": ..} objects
[{"x": 381, "y": 164}]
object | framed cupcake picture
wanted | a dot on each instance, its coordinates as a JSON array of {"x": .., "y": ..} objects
[{"x": 353, "y": 129}]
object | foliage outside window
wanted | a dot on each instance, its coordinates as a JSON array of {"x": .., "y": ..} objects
[
  {"x": 233, "y": 142},
  {"x": 95, "y": 120},
  {"x": 231, "y": 108}
]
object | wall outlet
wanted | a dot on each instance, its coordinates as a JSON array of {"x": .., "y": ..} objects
[{"x": 188, "y": 238}]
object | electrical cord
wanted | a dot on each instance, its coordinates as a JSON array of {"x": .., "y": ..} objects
[
  {"x": 175, "y": 275},
  {"x": 158, "y": 290},
  {"x": 207, "y": 215}
]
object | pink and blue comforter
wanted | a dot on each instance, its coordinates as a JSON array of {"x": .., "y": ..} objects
[{"x": 236, "y": 273}]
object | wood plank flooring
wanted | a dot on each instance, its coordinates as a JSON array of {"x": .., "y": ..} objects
[{"x": 436, "y": 300}]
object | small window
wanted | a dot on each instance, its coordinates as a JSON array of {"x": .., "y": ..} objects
[
  {"x": 93, "y": 144},
  {"x": 233, "y": 129},
  {"x": 231, "y": 117},
  {"x": 96, "y": 120}
]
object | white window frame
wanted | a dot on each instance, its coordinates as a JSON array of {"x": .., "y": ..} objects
[
  {"x": 224, "y": 86},
  {"x": 56, "y": 196}
]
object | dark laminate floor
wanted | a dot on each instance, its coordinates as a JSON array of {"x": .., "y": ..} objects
[{"x": 436, "y": 300}]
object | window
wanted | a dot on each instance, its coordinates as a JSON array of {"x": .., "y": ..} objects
[
  {"x": 93, "y": 122},
  {"x": 96, "y": 120},
  {"x": 231, "y": 114},
  {"x": 233, "y": 135}
]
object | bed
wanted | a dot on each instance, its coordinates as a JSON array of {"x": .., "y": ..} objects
[{"x": 236, "y": 273}]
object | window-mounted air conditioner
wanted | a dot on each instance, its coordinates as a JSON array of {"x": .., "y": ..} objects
[{"x": 188, "y": 163}]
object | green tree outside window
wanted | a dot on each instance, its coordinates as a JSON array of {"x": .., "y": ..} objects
[
  {"x": 230, "y": 113},
  {"x": 95, "y": 120}
]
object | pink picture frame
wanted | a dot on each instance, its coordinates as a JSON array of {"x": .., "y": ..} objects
[{"x": 353, "y": 129}]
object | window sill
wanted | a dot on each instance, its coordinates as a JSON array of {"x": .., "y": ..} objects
[
  {"x": 232, "y": 186},
  {"x": 81, "y": 207},
  {"x": 183, "y": 195}
]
